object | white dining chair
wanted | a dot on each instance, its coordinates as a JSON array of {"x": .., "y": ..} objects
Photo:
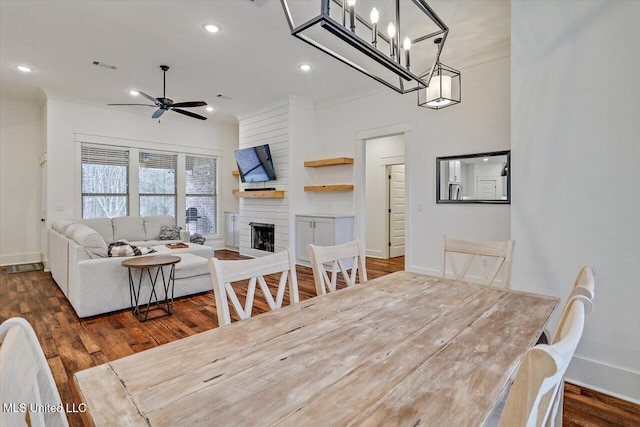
[
  {"x": 335, "y": 256},
  {"x": 583, "y": 285},
  {"x": 499, "y": 252},
  {"x": 530, "y": 402},
  {"x": 223, "y": 273},
  {"x": 26, "y": 383}
]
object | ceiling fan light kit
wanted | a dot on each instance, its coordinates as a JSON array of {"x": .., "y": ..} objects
[
  {"x": 166, "y": 104},
  {"x": 400, "y": 58}
]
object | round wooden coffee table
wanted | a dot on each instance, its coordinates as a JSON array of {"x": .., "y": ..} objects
[{"x": 149, "y": 263}]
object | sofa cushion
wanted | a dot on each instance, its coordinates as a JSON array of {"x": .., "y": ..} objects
[
  {"x": 71, "y": 229},
  {"x": 61, "y": 225},
  {"x": 153, "y": 224},
  {"x": 128, "y": 228},
  {"x": 91, "y": 240},
  {"x": 153, "y": 242},
  {"x": 102, "y": 225},
  {"x": 191, "y": 265}
]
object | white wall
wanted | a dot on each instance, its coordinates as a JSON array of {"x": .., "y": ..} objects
[
  {"x": 378, "y": 151},
  {"x": 268, "y": 125},
  {"x": 68, "y": 118},
  {"x": 21, "y": 145},
  {"x": 287, "y": 127},
  {"x": 576, "y": 172},
  {"x": 479, "y": 124}
]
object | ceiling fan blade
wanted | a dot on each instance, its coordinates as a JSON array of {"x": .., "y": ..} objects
[
  {"x": 144, "y": 105},
  {"x": 189, "y": 104},
  {"x": 189, "y": 113},
  {"x": 150, "y": 98},
  {"x": 158, "y": 113}
]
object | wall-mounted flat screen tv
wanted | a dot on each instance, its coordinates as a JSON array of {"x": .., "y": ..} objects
[{"x": 255, "y": 164}]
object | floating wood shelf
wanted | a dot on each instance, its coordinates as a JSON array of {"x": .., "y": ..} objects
[
  {"x": 338, "y": 187},
  {"x": 266, "y": 194},
  {"x": 329, "y": 162},
  {"x": 235, "y": 173}
]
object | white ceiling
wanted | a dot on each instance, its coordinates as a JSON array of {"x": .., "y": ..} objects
[{"x": 253, "y": 59}]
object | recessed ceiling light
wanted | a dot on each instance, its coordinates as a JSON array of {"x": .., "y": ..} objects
[
  {"x": 24, "y": 68},
  {"x": 211, "y": 28},
  {"x": 485, "y": 159},
  {"x": 209, "y": 108},
  {"x": 134, "y": 92},
  {"x": 305, "y": 67}
]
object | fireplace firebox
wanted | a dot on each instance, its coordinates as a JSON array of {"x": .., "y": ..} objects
[{"x": 262, "y": 236}]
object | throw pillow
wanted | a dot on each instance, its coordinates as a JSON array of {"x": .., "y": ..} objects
[
  {"x": 170, "y": 232},
  {"x": 124, "y": 248}
]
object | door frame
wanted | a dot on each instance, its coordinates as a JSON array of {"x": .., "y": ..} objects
[{"x": 406, "y": 129}]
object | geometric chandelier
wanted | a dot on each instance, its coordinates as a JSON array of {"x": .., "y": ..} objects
[
  {"x": 388, "y": 40},
  {"x": 444, "y": 87}
]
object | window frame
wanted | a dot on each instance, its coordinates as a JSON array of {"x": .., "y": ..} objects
[
  {"x": 135, "y": 146},
  {"x": 175, "y": 180},
  {"x": 213, "y": 195},
  {"x": 126, "y": 194}
]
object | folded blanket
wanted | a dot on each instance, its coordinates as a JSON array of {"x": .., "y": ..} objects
[{"x": 124, "y": 248}]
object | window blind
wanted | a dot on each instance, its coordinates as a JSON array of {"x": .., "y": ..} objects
[
  {"x": 157, "y": 183},
  {"x": 105, "y": 173}
]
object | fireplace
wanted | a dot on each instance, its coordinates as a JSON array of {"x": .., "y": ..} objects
[{"x": 262, "y": 236}]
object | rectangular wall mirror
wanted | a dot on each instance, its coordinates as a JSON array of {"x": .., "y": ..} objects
[{"x": 474, "y": 178}]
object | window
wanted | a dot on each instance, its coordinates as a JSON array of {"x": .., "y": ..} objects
[
  {"x": 104, "y": 181},
  {"x": 111, "y": 175},
  {"x": 157, "y": 183},
  {"x": 200, "y": 178}
]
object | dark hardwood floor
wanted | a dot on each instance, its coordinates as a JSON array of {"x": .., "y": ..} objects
[{"x": 72, "y": 344}]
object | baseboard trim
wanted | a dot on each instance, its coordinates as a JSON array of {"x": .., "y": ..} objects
[
  {"x": 215, "y": 244},
  {"x": 374, "y": 253},
  {"x": 14, "y": 259},
  {"x": 601, "y": 377}
]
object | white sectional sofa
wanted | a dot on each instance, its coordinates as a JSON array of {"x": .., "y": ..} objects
[{"x": 95, "y": 283}]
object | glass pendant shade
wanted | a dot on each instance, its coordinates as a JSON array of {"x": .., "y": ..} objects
[{"x": 443, "y": 90}]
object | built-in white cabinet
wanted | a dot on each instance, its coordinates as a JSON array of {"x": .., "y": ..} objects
[
  {"x": 455, "y": 171},
  {"x": 322, "y": 230},
  {"x": 232, "y": 230}
]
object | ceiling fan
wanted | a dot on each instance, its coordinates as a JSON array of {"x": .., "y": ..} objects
[{"x": 164, "y": 104}]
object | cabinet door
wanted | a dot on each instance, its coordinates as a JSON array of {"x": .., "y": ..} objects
[
  {"x": 304, "y": 236},
  {"x": 323, "y": 232}
]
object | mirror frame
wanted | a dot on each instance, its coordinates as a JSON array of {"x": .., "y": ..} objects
[{"x": 471, "y": 156}]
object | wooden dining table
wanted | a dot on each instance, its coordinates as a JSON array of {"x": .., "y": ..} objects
[{"x": 403, "y": 349}]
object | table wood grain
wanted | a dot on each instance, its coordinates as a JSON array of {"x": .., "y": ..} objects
[{"x": 403, "y": 349}]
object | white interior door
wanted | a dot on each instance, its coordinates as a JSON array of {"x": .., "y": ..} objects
[
  {"x": 487, "y": 188},
  {"x": 396, "y": 210}
]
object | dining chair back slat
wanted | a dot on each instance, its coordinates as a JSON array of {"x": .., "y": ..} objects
[
  {"x": 224, "y": 273},
  {"x": 530, "y": 402},
  {"x": 25, "y": 378},
  {"x": 335, "y": 257},
  {"x": 501, "y": 252}
]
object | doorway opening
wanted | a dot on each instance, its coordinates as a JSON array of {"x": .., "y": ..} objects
[{"x": 384, "y": 203}]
